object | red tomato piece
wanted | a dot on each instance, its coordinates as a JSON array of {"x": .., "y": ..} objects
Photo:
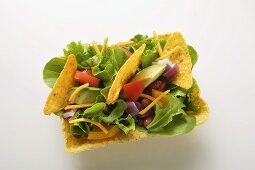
[
  {"x": 89, "y": 72},
  {"x": 84, "y": 77},
  {"x": 133, "y": 90}
]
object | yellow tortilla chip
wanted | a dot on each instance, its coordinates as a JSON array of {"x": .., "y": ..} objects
[
  {"x": 164, "y": 36},
  {"x": 127, "y": 70},
  {"x": 58, "y": 97},
  {"x": 183, "y": 60},
  {"x": 175, "y": 52}
]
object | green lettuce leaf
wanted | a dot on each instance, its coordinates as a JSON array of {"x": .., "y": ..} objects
[
  {"x": 177, "y": 91},
  {"x": 139, "y": 37},
  {"x": 126, "y": 124},
  {"x": 148, "y": 57},
  {"x": 116, "y": 113},
  {"x": 165, "y": 115},
  {"x": 150, "y": 53},
  {"x": 84, "y": 127},
  {"x": 95, "y": 111},
  {"x": 181, "y": 123},
  {"x": 100, "y": 98},
  {"x": 105, "y": 92},
  {"x": 82, "y": 52},
  {"x": 59, "y": 113},
  {"x": 171, "y": 120},
  {"x": 193, "y": 55},
  {"x": 76, "y": 130},
  {"x": 120, "y": 57},
  {"x": 109, "y": 64},
  {"x": 52, "y": 70}
]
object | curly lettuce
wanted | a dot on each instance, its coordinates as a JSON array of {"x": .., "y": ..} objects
[
  {"x": 171, "y": 120},
  {"x": 96, "y": 113},
  {"x": 104, "y": 66},
  {"x": 126, "y": 124}
]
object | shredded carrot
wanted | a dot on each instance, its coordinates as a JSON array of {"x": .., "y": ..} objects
[
  {"x": 94, "y": 44},
  {"x": 104, "y": 45},
  {"x": 147, "y": 96},
  {"x": 78, "y": 106},
  {"x": 76, "y": 92}
]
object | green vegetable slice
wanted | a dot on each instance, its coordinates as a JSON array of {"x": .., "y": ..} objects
[{"x": 193, "y": 55}]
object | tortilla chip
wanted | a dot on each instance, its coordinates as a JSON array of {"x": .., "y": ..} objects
[
  {"x": 203, "y": 115},
  {"x": 175, "y": 53},
  {"x": 183, "y": 60},
  {"x": 164, "y": 36},
  {"x": 58, "y": 97},
  {"x": 127, "y": 70},
  {"x": 73, "y": 144}
]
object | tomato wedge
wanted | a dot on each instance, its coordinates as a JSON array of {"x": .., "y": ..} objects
[
  {"x": 86, "y": 77},
  {"x": 133, "y": 90},
  {"x": 89, "y": 72}
]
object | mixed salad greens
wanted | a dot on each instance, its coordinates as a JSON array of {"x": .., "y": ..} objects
[{"x": 148, "y": 102}]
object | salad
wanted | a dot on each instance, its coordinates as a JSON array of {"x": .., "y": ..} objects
[{"x": 126, "y": 91}]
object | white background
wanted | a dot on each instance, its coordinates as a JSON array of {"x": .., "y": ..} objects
[{"x": 32, "y": 32}]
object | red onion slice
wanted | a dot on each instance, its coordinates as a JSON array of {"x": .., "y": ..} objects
[
  {"x": 69, "y": 113},
  {"x": 132, "y": 109},
  {"x": 127, "y": 52},
  {"x": 172, "y": 72},
  {"x": 171, "y": 69},
  {"x": 139, "y": 105},
  {"x": 164, "y": 61}
]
